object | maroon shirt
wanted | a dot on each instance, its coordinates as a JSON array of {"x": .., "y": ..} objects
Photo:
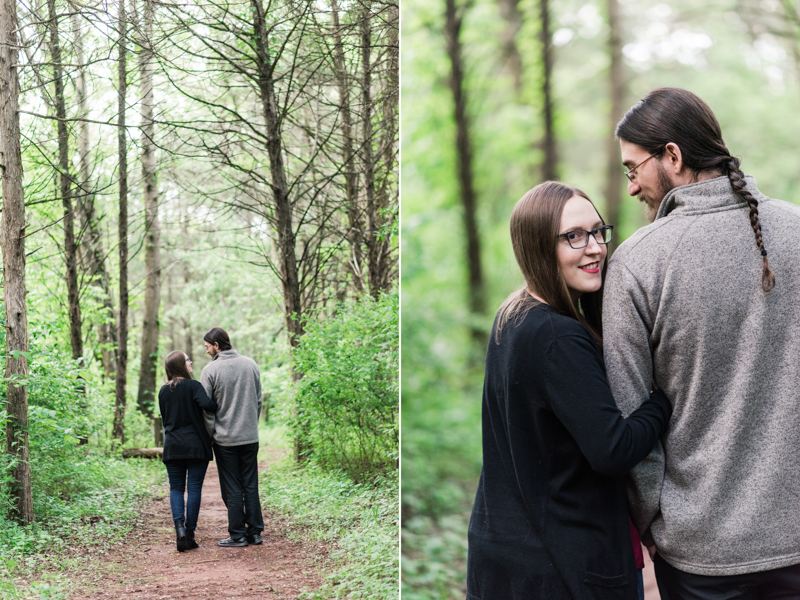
[{"x": 636, "y": 541}]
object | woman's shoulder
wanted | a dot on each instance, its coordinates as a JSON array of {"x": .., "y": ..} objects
[
  {"x": 525, "y": 334},
  {"x": 542, "y": 329},
  {"x": 544, "y": 321},
  {"x": 181, "y": 386},
  {"x": 564, "y": 326},
  {"x": 188, "y": 386}
]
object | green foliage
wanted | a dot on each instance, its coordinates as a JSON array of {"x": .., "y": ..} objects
[
  {"x": 722, "y": 53},
  {"x": 346, "y": 401},
  {"x": 435, "y": 556},
  {"x": 358, "y": 521},
  {"x": 218, "y": 244},
  {"x": 83, "y": 494},
  {"x": 276, "y": 386},
  {"x": 97, "y": 505}
]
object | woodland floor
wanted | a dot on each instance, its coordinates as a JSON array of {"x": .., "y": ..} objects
[{"x": 148, "y": 566}]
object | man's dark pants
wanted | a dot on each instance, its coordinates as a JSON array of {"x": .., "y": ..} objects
[
  {"x": 776, "y": 584},
  {"x": 238, "y": 481}
]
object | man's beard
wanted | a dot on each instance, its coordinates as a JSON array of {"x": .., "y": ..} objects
[
  {"x": 649, "y": 211},
  {"x": 664, "y": 186}
]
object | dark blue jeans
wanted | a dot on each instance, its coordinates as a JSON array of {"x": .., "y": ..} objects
[
  {"x": 177, "y": 472},
  {"x": 238, "y": 482}
]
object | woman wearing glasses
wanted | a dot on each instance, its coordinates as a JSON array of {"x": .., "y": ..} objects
[
  {"x": 550, "y": 519},
  {"x": 187, "y": 445}
]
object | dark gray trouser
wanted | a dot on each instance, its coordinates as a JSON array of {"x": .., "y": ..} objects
[
  {"x": 776, "y": 584},
  {"x": 238, "y": 481}
]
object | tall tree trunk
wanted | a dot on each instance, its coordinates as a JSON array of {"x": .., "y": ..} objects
[
  {"x": 118, "y": 430},
  {"x": 173, "y": 342},
  {"x": 287, "y": 267},
  {"x": 509, "y": 10},
  {"x": 12, "y": 239},
  {"x": 187, "y": 322},
  {"x": 75, "y": 337},
  {"x": 792, "y": 14},
  {"x": 477, "y": 301},
  {"x": 550, "y": 165},
  {"x": 367, "y": 159},
  {"x": 387, "y": 166},
  {"x": 355, "y": 232},
  {"x": 187, "y": 325},
  {"x": 152, "y": 295},
  {"x": 616, "y": 81},
  {"x": 93, "y": 258}
]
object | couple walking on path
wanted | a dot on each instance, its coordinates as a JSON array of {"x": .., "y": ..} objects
[
  {"x": 668, "y": 401},
  {"x": 221, "y": 412}
]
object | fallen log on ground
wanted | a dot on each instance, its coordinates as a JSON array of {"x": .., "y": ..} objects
[{"x": 142, "y": 453}]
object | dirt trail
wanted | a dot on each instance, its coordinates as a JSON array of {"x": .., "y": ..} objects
[{"x": 147, "y": 565}]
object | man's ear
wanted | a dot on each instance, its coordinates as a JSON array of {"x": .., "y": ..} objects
[{"x": 674, "y": 158}]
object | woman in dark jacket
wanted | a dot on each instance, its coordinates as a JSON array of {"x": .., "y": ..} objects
[
  {"x": 550, "y": 519},
  {"x": 187, "y": 445}
]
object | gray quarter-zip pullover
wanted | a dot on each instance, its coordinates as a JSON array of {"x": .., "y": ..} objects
[
  {"x": 233, "y": 382},
  {"x": 683, "y": 305}
]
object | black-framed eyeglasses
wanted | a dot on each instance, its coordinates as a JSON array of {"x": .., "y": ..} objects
[
  {"x": 579, "y": 238},
  {"x": 631, "y": 173}
]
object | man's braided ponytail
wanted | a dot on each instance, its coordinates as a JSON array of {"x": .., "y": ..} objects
[{"x": 736, "y": 178}]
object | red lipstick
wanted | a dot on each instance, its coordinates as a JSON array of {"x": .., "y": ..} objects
[{"x": 592, "y": 270}]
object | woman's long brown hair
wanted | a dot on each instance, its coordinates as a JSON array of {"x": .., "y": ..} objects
[
  {"x": 175, "y": 366},
  {"x": 535, "y": 224}
]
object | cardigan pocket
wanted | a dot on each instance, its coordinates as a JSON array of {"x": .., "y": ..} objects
[{"x": 603, "y": 581}]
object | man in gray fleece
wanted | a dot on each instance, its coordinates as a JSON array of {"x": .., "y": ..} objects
[
  {"x": 234, "y": 383},
  {"x": 696, "y": 303}
]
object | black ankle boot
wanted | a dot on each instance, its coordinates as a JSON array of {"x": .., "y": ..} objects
[
  {"x": 180, "y": 535},
  {"x": 190, "y": 540}
]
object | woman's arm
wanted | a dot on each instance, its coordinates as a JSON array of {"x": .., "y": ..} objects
[
  {"x": 202, "y": 399},
  {"x": 580, "y": 397}
]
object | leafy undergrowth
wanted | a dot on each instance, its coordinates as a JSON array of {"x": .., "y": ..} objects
[
  {"x": 69, "y": 528},
  {"x": 359, "y": 523},
  {"x": 435, "y": 557}
]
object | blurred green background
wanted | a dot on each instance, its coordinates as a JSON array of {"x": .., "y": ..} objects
[{"x": 741, "y": 57}]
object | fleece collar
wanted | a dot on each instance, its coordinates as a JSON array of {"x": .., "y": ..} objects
[
  {"x": 706, "y": 196},
  {"x": 225, "y": 354}
]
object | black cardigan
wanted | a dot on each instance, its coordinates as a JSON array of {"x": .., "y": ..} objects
[
  {"x": 550, "y": 519},
  {"x": 185, "y": 435}
]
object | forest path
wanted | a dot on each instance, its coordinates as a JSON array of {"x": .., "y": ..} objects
[{"x": 148, "y": 566}]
